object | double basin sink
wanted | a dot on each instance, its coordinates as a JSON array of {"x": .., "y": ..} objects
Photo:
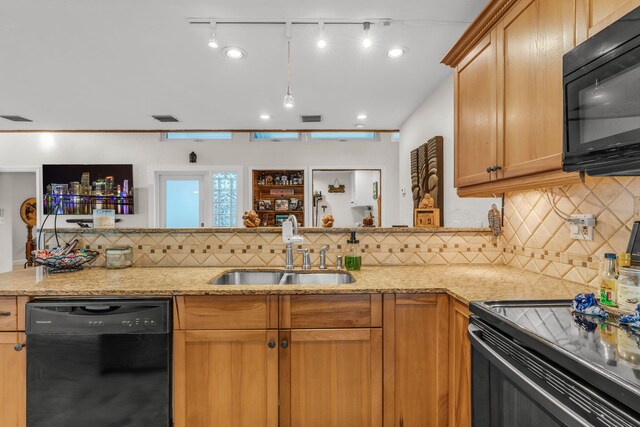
[{"x": 279, "y": 277}]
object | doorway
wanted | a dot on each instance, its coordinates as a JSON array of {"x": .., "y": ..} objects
[{"x": 15, "y": 189}]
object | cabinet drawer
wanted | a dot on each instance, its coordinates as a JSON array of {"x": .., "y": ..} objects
[
  {"x": 330, "y": 311},
  {"x": 227, "y": 312},
  {"x": 8, "y": 314}
]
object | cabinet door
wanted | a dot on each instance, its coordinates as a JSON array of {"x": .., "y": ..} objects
[
  {"x": 532, "y": 38},
  {"x": 416, "y": 360},
  {"x": 459, "y": 365},
  {"x": 475, "y": 114},
  {"x": 331, "y": 377},
  {"x": 13, "y": 379},
  {"x": 226, "y": 378},
  {"x": 594, "y": 15}
]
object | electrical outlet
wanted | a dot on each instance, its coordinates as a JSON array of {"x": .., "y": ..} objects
[{"x": 581, "y": 226}]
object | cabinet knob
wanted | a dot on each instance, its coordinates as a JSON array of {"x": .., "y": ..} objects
[
  {"x": 284, "y": 344},
  {"x": 5, "y": 313},
  {"x": 19, "y": 346},
  {"x": 496, "y": 168},
  {"x": 271, "y": 344},
  {"x": 489, "y": 169}
]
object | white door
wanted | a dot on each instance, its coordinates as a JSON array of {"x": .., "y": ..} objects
[{"x": 182, "y": 201}]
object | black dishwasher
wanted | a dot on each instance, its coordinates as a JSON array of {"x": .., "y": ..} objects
[{"x": 99, "y": 362}]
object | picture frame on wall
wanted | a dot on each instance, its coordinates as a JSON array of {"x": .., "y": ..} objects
[
  {"x": 279, "y": 219},
  {"x": 281, "y": 204}
]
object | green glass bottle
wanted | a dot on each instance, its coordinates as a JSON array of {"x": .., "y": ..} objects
[{"x": 352, "y": 259}]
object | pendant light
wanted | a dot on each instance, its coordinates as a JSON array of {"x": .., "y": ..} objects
[{"x": 289, "y": 102}]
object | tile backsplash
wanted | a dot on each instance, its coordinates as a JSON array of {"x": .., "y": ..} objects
[
  {"x": 254, "y": 249},
  {"x": 535, "y": 238}
]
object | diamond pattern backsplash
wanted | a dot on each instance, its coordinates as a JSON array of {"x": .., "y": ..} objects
[
  {"x": 536, "y": 238},
  {"x": 256, "y": 249}
]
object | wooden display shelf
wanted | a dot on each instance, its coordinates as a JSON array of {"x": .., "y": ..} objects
[{"x": 263, "y": 192}]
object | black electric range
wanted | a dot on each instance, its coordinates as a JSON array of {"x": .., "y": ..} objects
[{"x": 538, "y": 363}]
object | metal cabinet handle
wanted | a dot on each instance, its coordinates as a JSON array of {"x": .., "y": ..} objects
[
  {"x": 284, "y": 344},
  {"x": 19, "y": 346},
  {"x": 271, "y": 344},
  {"x": 5, "y": 313},
  {"x": 489, "y": 169},
  {"x": 494, "y": 168}
]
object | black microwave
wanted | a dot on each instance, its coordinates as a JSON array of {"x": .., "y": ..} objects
[{"x": 601, "y": 81}]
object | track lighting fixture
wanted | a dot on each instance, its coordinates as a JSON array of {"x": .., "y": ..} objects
[
  {"x": 213, "y": 37},
  {"x": 366, "y": 41},
  {"x": 322, "y": 43}
]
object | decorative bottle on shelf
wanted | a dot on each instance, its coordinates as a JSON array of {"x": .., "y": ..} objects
[
  {"x": 352, "y": 259},
  {"x": 608, "y": 294}
]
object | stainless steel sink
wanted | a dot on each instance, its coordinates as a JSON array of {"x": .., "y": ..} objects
[
  {"x": 247, "y": 277},
  {"x": 279, "y": 277},
  {"x": 317, "y": 279}
]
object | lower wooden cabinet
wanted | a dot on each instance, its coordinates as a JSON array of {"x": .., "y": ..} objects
[
  {"x": 415, "y": 360},
  {"x": 331, "y": 377},
  {"x": 459, "y": 365},
  {"x": 13, "y": 374},
  {"x": 414, "y": 371},
  {"x": 226, "y": 378}
]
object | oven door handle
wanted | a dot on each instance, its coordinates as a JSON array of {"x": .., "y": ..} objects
[{"x": 529, "y": 387}]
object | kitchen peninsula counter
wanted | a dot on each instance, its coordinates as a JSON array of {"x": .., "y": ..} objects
[{"x": 464, "y": 282}]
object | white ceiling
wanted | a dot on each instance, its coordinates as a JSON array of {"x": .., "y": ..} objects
[{"x": 95, "y": 64}]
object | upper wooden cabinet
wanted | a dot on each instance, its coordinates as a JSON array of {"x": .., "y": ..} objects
[
  {"x": 594, "y": 15},
  {"x": 508, "y": 96},
  {"x": 532, "y": 38},
  {"x": 476, "y": 115}
]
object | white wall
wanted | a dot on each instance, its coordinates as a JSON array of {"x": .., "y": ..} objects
[
  {"x": 435, "y": 117},
  {"x": 23, "y": 186},
  {"x": 15, "y": 187},
  {"x": 339, "y": 204},
  {"x": 147, "y": 152},
  {"x": 6, "y": 243}
]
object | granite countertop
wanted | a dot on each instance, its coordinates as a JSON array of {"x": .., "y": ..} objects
[{"x": 464, "y": 282}]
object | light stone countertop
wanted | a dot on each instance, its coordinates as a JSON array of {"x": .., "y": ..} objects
[{"x": 464, "y": 282}]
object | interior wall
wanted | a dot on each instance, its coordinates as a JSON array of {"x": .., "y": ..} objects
[
  {"x": 6, "y": 242},
  {"x": 148, "y": 152},
  {"x": 339, "y": 204},
  {"x": 23, "y": 186},
  {"x": 435, "y": 117}
]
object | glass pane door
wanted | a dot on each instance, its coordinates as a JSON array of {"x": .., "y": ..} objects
[{"x": 181, "y": 201}]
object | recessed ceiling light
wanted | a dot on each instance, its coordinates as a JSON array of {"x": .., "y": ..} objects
[
  {"x": 234, "y": 52},
  {"x": 396, "y": 52},
  {"x": 265, "y": 116},
  {"x": 362, "y": 116},
  {"x": 359, "y": 125}
]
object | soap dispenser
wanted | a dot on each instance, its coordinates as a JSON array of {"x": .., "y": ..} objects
[{"x": 352, "y": 259}]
